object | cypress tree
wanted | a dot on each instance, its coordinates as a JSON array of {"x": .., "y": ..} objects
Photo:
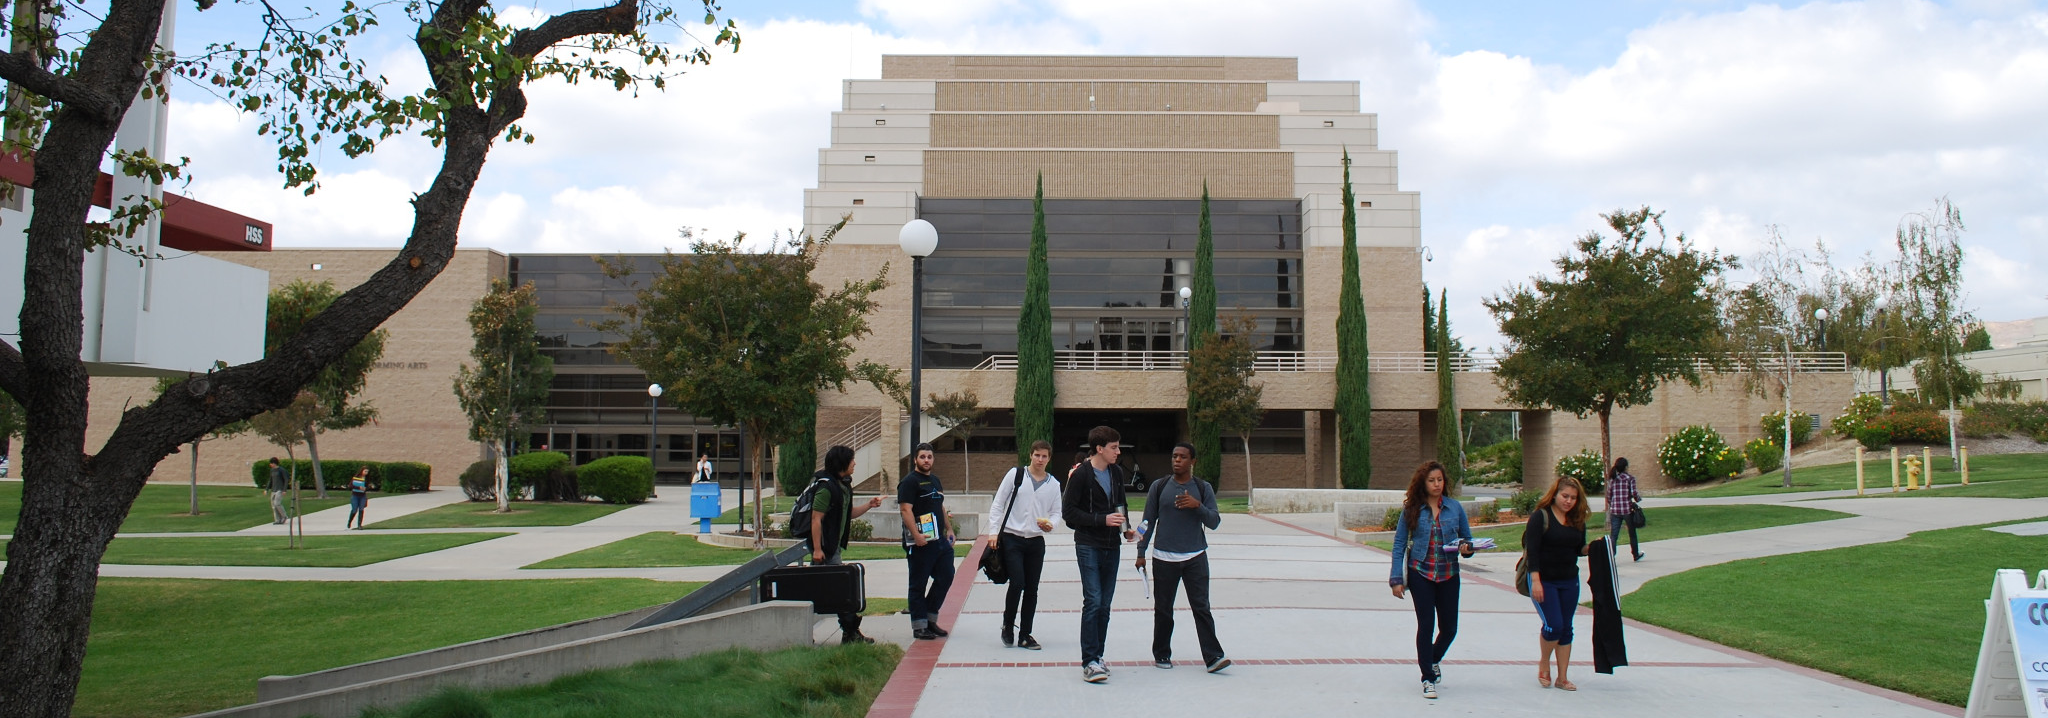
[
  {"x": 1354, "y": 397},
  {"x": 1428, "y": 321},
  {"x": 796, "y": 459},
  {"x": 1202, "y": 327},
  {"x": 1450, "y": 450},
  {"x": 1034, "y": 397}
]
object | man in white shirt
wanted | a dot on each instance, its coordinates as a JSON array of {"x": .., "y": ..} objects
[{"x": 1024, "y": 510}]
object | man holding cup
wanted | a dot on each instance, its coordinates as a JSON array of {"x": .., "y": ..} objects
[{"x": 1093, "y": 505}]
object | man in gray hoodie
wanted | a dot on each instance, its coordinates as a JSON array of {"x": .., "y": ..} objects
[{"x": 1176, "y": 512}]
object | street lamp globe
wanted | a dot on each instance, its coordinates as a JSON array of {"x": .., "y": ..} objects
[
  {"x": 1821, "y": 314},
  {"x": 918, "y": 238},
  {"x": 654, "y": 390},
  {"x": 1186, "y": 292}
]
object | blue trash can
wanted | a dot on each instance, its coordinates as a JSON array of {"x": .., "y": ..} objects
[{"x": 704, "y": 504}]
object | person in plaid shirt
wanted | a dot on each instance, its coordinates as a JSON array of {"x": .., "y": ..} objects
[
  {"x": 1622, "y": 500},
  {"x": 1429, "y": 522}
]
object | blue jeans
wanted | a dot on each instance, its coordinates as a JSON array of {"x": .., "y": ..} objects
[
  {"x": 1615, "y": 523},
  {"x": 356, "y": 504},
  {"x": 1560, "y": 602},
  {"x": 1098, "y": 589},
  {"x": 931, "y": 575}
]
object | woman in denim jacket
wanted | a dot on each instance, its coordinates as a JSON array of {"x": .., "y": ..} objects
[{"x": 1430, "y": 521}]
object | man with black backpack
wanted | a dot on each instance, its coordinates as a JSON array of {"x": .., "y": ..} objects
[
  {"x": 829, "y": 499},
  {"x": 1177, "y": 510}
]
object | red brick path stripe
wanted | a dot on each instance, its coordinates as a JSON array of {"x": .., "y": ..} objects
[
  {"x": 899, "y": 696},
  {"x": 1339, "y": 662}
]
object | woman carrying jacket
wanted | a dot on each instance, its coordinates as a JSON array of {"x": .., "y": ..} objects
[
  {"x": 1555, "y": 539},
  {"x": 1429, "y": 522}
]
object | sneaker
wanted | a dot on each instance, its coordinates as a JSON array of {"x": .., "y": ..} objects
[
  {"x": 1094, "y": 673},
  {"x": 1009, "y": 637},
  {"x": 1429, "y": 689},
  {"x": 924, "y": 634},
  {"x": 1220, "y": 664},
  {"x": 1437, "y": 669},
  {"x": 936, "y": 630},
  {"x": 1639, "y": 556},
  {"x": 1027, "y": 642},
  {"x": 1161, "y": 663}
]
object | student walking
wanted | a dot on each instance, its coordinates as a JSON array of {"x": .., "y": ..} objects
[
  {"x": 1555, "y": 539},
  {"x": 277, "y": 488},
  {"x": 1429, "y": 522},
  {"x": 1622, "y": 504},
  {"x": 1027, "y": 504},
  {"x": 358, "y": 497},
  {"x": 1093, "y": 504},
  {"x": 832, "y": 515},
  {"x": 928, "y": 544},
  {"x": 1176, "y": 512}
]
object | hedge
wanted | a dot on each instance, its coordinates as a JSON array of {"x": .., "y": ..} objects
[
  {"x": 480, "y": 481},
  {"x": 388, "y": 477},
  {"x": 617, "y": 479},
  {"x": 1764, "y": 454},
  {"x": 536, "y": 469},
  {"x": 1698, "y": 453},
  {"x": 406, "y": 476}
]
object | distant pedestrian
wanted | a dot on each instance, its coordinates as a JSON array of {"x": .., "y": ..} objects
[
  {"x": 1093, "y": 504},
  {"x": 927, "y": 543},
  {"x": 358, "y": 497},
  {"x": 832, "y": 515},
  {"x": 1176, "y": 511},
  {"x": 1555, "y": 539},
  {"x": 1622, "y": 504},
  {"x": 1429, "y": 522},
  {"x": 1031, "y": 505},
  {"x": 704, "y": 472},
  {"x": 277, "y": 489}
]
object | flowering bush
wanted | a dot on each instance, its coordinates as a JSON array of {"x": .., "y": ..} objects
[
  {"x": 1860, "y": 410},
  {"x": 1764, "y": 454},
  {"x": 1873, "y": 437},
  {"x": 1917, "y": 427},
  {"x": 1584, "y": 466},
  {"x": 1802, "y": 427},
  {"x": 1697, "y": 453}
]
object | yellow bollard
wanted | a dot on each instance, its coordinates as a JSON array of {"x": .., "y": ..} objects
[
  {"x": 1965, "y": 451},
  {"x": 1859, "y": 469},
  {"x": 1895, "y": 469},
  {"x": 1926, "y": 467}
]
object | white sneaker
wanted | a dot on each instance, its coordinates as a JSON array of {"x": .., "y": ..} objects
[
  {"x": 1429, "y": 689},
  {"x": 1094, "y": 673}
]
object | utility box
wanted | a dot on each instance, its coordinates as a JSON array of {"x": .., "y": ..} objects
[{"x": 704, "y": 504}]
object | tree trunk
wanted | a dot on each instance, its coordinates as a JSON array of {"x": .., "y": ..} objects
[
  {"x": 504, "y": 479},
  {"x": 760, "y": 533},
  {"x": 313, "y": 451},
  {"x": 1787, "y": 483},
  {"x": 966, "y": 468},
  {"x": 195, "y": 478},
  {"x": 294, "y": 527},
  {"x": 1246, "y": 439},
  {"x": 1606, "y": 448}
]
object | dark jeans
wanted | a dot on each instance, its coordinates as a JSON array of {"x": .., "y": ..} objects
[
  {"x": 356, "y": 505},
  {"x": 1560, "y": 602},
  {"x": 1614, "y": 524},
  {"x": 1024, "y": 557},
  {"x": 931, "y": 575},
  {"x": 1098, "y": 589},
  {"x": 1436, "y": 602},
  {"x": 1169, "y": 575},
  {"x": 849, "y": 623}
]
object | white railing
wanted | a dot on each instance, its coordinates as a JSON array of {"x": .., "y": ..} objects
[
  {"x": 1379, "y": 362},
  {"x": 859, "y": 434}
]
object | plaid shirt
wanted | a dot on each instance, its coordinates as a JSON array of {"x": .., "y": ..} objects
[
  {"x": 1436, "y": 567},
  {"x": 1622, "y": 498}
]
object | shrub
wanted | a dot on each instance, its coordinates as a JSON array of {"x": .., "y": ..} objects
[
  {"x": 1525, "y": 500},
  {"x": 541, "y": 472},
  {"x": 406, "y": 476},
  {"x": 1496, "y": 464},
  {"x": 1584, "y": 466},
  {"x": 480, "y": 481},
  {"x": 1918, "y": 427},
  {"x": 1488, "y": 512},
  {"x": 1988, "y": 418},
  {"x": 617, "y": 479},
  {"x": 1391, "y": 520},
  {"x": 1873, "y": 437},
  {"x": 862, "y": 531},
  {"x": 335, "y": 471},
  {"x": 1802, "y": 427},
  {"x": 1764, "y": 454},
  {"x": 1697, "y": 453},
  {"x": 1860, "y": 410}
]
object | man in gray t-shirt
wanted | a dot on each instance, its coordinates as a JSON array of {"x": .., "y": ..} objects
[
  {"x": 1177, "y": 510},
  {"x": 277, "y": 489}
]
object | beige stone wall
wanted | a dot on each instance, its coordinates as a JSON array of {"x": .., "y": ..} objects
[
  {"x": 1082, "y": 67},
  {"x": 1177, "y": 130},
  {"x": 1109, "y": 96},
  {"x": 1392, "y": 288},
  {"x": 412, "y": 386},
  {"x": 1110, "y": 174},
  {"x": 1635, "y": 432}
]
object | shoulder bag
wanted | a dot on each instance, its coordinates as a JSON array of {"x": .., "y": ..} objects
[
  {"x": 1522, "y": 566},
  {"x": 992, "y": 561},
  {"x": 1637, "y": 519}
]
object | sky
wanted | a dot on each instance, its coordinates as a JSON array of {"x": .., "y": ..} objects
[{"x": 1519, "y": 123}]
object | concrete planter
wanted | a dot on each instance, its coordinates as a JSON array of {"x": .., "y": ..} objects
[{"x": 1316, "y": 501}]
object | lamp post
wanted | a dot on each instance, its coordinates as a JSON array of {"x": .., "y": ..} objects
[
  {"x": 1884, "y": 370},
  {"x": 653, "y": 421},
  {"x": 1187, "y": 324},
  {"x": 918, "y": 239},
  {"x": 1821, "y": 314}
]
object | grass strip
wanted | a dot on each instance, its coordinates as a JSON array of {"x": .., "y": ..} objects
[
  {"x": 1877, "y": 475},
  {"x": 484, "y": 514},
  {"x": 164, "y": 508},
  {"x": 829, "y": 682},
  {"x": 315, "y": 551},
  {"x": 664, "y": 549},
  {"x": 1671, "y": 523},
  {"x": 1909, "y": 618},
  {"x": 174, "y": 647}
]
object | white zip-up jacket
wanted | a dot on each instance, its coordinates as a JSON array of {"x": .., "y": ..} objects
[{"x": 1033, "y": 503}]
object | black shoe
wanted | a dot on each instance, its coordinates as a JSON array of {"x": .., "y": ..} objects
[
  {"x": 1639, "y": 557},
  {"x": 1220, "y": 664},
  {"x": 936, "y": 630},
  {"x": 1027, "y": 642},
  {"x": 924, "y": 634},
  {"x": 1162, "y": 663},
  {"x": 1009, "y": 637},
  {"x": 855, "y": 637}
]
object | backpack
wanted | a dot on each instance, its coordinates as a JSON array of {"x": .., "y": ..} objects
[{"x": 800, "y": 514}]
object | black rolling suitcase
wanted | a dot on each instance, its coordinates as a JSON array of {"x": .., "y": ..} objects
[{"x": 831, "y": 589}]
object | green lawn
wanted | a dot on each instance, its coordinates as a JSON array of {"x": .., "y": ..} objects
[
  {"x": 1671, "y": 522},
  {"x": 1909, "y": 616},
  {"x": 173, "y": 647},
  {"x": 663, "y": 548},
  {"x": 484, "y": 514},
  {"x": 830, "y": 682},
  {"x": 1877, "y": 476},
  {"x": 321, "y": 551},
  {"x": 774, "y": 504},
  {"x": 161, "y": 508}
]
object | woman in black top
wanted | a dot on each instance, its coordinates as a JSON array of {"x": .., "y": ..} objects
[{"x": 1555, "y": 539}]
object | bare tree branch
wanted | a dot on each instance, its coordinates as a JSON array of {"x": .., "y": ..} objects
[
  {"x": 23, "y": 72},
  {"x": 619, "y": 19}
]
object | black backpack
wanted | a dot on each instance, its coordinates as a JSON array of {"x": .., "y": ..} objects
[{"x": 800, "y": 514}]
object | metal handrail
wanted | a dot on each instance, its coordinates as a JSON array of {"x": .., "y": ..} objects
[
  {"x": 859, "y": 433},
  {"x": 1382, "y": 362},
  {"x": 741, "y": 578}
]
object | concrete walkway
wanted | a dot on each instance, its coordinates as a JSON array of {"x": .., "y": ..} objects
[{"x": 1313, "y": 630}]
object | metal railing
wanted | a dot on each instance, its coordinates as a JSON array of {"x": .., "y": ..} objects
[
  {"x": 1141, "y": 360},
  {"x": 859, "y": 434},
  {"x": 1388, "y": 362}
]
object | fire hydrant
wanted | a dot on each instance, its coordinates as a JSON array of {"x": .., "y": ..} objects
[{"x": 1912, "y": 473}]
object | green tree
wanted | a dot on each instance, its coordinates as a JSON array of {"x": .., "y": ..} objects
[
  {"x": 1450, "y": 447},
  {"x": 286, "y": 427},
  {"x": 1978, "y": 340},
  {"x": 1220, "y": 372},
  {"x": 1930, "y": 300},
  {"x": 1354, "y": 380},
  {"x": 337, "y": 384},
  {"x": 748, "y": 340},
  {"x": 1206, "y": 435},
  {"x": 1428, "y": 321},
  {"x": 506, "y": 393},
  {"x": 960, "y": 413},
  {"x": 224, "y": 431},
  {"x": 1033, "y": 399},
  {"x": 797, "y": 458},
  {"x": 12, "y": 419},
  {"x": 74, "y": 74},
  {"x": 1620, "y": 318}
]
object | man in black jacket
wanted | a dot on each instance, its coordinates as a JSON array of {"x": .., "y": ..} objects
[
  {"x": 1093, "y": 505},
  {"x": 832, "y": 515}
]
